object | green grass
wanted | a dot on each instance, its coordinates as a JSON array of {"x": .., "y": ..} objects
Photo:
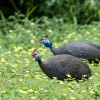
[{"x": 20, "y": 76}]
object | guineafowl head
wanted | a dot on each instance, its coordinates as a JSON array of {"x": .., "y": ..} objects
[
  {"x": 36, "y": 55},
  {"x": 46, "y": 41}
]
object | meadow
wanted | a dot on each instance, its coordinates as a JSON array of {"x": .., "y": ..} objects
[{"x": 20, "y": 76}]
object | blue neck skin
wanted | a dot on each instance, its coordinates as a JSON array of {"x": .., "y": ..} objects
[
  {"x": 47, "y": 43},
  {"x": 37, "y": 58}
]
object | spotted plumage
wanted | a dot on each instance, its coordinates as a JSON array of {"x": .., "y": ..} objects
[
  {"x": 61, "y": 65},
  {"x": 84, "y": 50}
]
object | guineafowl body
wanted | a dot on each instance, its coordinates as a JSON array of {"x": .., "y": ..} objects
[
  {"x": 60, "y": 66},
  {"x": 84, "y": 50}
]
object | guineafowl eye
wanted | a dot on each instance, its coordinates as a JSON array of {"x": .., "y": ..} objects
[
  {"x": 33, "y": 55},
  {"x": 43, "y": 40}
]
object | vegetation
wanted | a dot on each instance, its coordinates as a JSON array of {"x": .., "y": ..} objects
[
  {"x": 74, "y": 11},
  {"x": 20, "y": 76}
]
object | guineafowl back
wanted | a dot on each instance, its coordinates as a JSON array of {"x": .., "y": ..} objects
[
  {"x": 80, "y": 50},
  {"x": 61, "y": 65}
]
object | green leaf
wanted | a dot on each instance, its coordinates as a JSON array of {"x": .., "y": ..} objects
[{"x": 29, "y": 12}]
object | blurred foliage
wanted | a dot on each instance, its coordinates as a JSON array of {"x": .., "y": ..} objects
[{"x": 74, "y": 11}]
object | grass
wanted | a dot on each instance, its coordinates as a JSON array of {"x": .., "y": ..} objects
[{"x": 20, "y": 76}]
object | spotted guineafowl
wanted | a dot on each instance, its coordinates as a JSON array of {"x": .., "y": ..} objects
[
  {"x": 84, "y": 50},
  {"x": 60, "y": 66}
]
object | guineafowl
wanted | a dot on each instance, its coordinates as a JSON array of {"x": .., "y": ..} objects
[
  {"x": 84, "y": 50},
  {"x": 60, "y": 66}
]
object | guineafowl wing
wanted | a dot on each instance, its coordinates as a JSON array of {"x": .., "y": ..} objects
[
  {"x": 96, "y": 46},
  {"x": 81, "y": 50}
]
